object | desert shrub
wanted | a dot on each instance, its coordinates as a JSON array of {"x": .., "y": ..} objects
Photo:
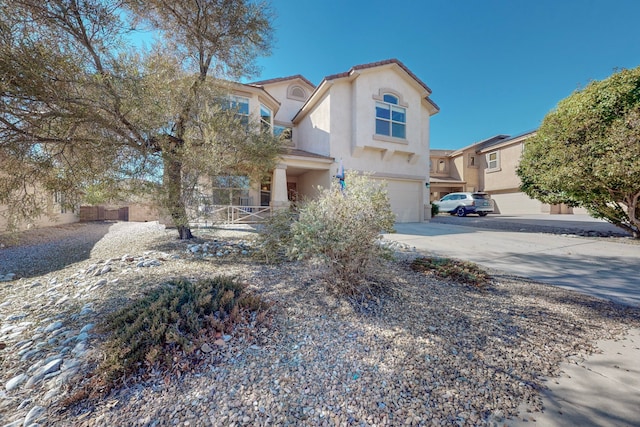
[
  {"x": 435, "y": 209},
  {"x": 149, "y": 331},
  {"x": 460, "y": 271},
  {"x": 274, "y": 238},
  {"x": 342, "y": 229}
]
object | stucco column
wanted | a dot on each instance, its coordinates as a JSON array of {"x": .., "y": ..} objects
[
  {"x": 279, "y": 196},
  {"x": 426, "y": 197}
]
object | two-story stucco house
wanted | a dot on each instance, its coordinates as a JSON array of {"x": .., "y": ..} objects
[
  {"x": 372, "y": 118},
  {"x": 490, "y": 166}
]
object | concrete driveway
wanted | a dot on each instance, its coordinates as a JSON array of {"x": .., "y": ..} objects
[
  {"x": 605, "y": 268},
  {"x": 603, "y": 389}
]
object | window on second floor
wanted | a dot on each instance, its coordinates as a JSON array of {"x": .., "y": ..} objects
[
  {"x": 265, "y": 117},
  {"x": 240, "y": 104},
  {"x": 285, "y": 133},
  {"x": 493, "y": 161},
  {"x": 391, "y": 119}
]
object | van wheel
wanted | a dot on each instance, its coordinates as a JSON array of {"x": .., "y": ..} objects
[
  {"x": 461, "y": 211},
  {"x": 483, "y": 213}
]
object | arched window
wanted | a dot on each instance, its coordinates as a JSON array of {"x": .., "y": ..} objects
[{"x": 391, "y": 118}]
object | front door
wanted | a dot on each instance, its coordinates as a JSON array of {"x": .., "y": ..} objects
[{"x": 292, "y": 192}]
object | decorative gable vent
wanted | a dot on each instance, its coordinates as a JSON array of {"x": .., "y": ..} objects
[{"x": 297, "y": 93}]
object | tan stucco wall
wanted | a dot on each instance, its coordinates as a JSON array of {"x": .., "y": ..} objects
[
  {"x": 143, "y": 213},
  {"x": 309, "y": 182},
  {"x": 505, "y": 178},
  {"x": 312, "y": 133},
  {"x": 354, "y": 115},
  {"x": 51, "y": 216},
  {"x": 288, "y": 107}
]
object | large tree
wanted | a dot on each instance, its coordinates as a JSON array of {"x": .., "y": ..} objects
[
  {"x": 84, "y": 105},
  {"x": 587, "y": 152}
]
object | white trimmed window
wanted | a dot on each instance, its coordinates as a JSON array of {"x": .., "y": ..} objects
[
  {"x": 265, "y": 117},
  {"x": 229, "y": 189},
  {"x": 241, "y": 106},
  {"x": 493, "y": 161},
  {"x": 391, "y": 119}
]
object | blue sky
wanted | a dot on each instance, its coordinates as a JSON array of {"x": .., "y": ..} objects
[{"x": 495, "y": 66}]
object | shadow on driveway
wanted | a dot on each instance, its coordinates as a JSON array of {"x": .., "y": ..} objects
[{"x": 602, "y": 276}]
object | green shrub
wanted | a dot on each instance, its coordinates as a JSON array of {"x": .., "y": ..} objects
[
  {"x": 342, "y": 229},
  {"x": 460, "y": 271},
  {"x": 435, "y": 210},
  {"x": 149, "y": 331}
]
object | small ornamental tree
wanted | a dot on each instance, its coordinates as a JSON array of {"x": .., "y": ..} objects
[
  {"x": 342, "y": 229},
  {"x": 587, "y": 152}
]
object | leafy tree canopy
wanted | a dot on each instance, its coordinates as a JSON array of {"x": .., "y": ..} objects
[
  {"x": 587, "y": 152},
  {"x": 83, "y": 106}
]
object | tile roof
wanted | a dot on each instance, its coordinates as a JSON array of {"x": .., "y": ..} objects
[
  {"x": 282, "y": 79},
  {"x": 372, "y": 65},
  {"x": 378, "y": 64},
  {"x": 302, "y": 153},
  {"x": 494, "y": 141}
]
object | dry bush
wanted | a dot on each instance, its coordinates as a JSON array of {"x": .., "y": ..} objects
[{"x": 342, "y": 228}]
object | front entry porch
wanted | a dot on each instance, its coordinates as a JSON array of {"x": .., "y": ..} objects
[{"x": 297, "y": 176}]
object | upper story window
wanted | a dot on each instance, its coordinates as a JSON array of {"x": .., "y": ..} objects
[
  {"x": 285, "y": 133},
  {"x": 493, "y": 161},
  {"x": 265, "y": 117},
  {"x": 391, "y": 119},
  {"x": 240, "y": 104}
]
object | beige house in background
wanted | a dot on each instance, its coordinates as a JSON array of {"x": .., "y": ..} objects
[
  {"x": 54, "y": 213},
  {"x": 490, "y": 166}
]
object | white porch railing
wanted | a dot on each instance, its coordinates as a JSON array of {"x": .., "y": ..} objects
[{"x": 233, "y": 214}]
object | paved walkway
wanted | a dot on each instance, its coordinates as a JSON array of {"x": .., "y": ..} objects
[{"x": 603, "y": 390}]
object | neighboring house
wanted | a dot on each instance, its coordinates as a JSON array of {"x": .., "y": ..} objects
[
  {"x": 54, "y": 212},
  {"x": 490, "y": 166},
  {"x": 373, "y": 118}
]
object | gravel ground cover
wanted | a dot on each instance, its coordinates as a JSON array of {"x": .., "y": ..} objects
[{"x": 427, "y": 352}]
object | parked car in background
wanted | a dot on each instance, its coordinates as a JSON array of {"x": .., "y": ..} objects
[{"x": 462, "y": 204}]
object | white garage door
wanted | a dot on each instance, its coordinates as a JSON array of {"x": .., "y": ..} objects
[
  {"x": 516, "y": 204},
  {"x": 406, "y": 199}
]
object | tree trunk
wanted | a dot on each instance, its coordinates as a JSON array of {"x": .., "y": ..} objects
[
  {"x": 174, "y": 201},
  {"x": 185, "y": 232}
]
